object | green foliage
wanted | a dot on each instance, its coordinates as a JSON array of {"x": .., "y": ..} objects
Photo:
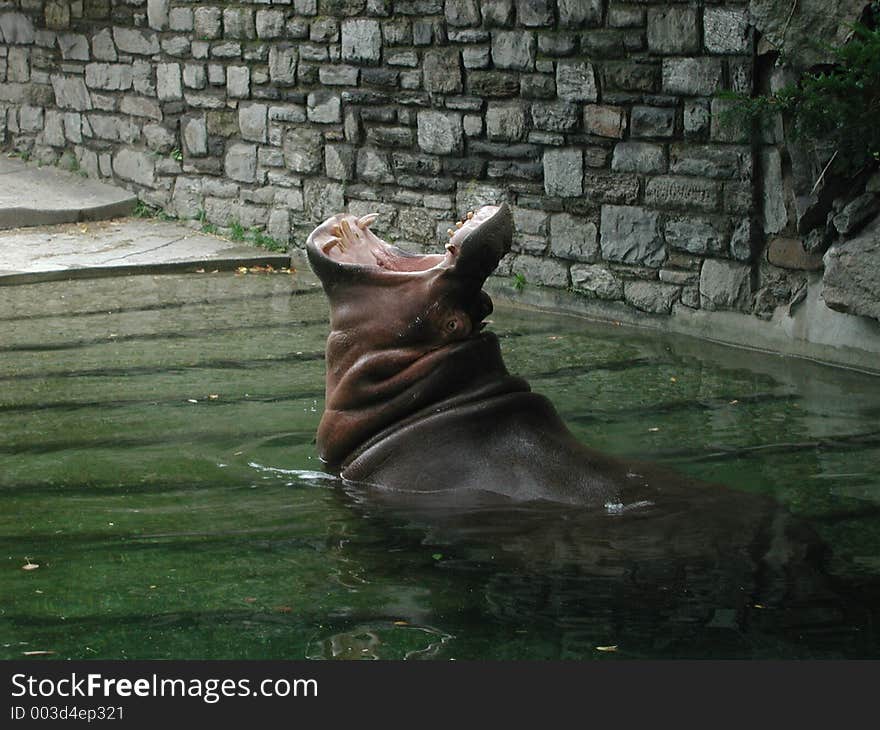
[
  {"x": 261, "y": 239},
  {"x": 142, "y": 210},
  {"x": 236, "y": 231},
  {"x": 840, "y": 105},
  {"x": 176, "y": 154},
  {"x": 519, "y": 281}
]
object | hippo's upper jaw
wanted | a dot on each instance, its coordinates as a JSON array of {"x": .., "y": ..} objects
[{"x": 344, "y": 244}]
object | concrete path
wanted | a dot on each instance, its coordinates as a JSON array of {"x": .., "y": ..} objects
[
  {"x": 51, "y": 228},
  {"x": 37, "y": 196}
]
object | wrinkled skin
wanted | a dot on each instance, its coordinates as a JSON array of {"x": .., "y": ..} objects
[{"x": 428, "y": 429}]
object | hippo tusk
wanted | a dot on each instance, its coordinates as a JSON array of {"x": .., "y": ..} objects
[{"x": 366, "y": 221}]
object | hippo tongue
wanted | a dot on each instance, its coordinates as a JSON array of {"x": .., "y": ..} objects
[{"x": 480, "y": 243}]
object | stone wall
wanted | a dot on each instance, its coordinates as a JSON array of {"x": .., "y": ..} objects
[{"x": 595, "y": 119}]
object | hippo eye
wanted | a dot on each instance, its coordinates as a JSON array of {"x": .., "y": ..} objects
[{"x": 452, "y": 325}]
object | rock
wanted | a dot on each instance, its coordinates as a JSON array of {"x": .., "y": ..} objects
[
  {"x": 75, "y": 47},
  {"x": 302, "y": 149},
  {"x": 462, "y": 13},
  {"x": 649, "y": 296},
  {"x": 695, "y": 117},
  {"x": 240, "y": 162},
  {"x": 724, "y": 284},
  {"x": 103, "y": 48},
  {"x": 775, "y": 214},
  {"x": 441, "y": 71},
  {"x": 71, "y": 92},
  {"x": 439, "y": 132},
  {"x": 711, "y": 160},
  {"x": 17, "y": 29},
  {"x": 283, "y": 64},
  {"x": 726, "y": 30},
  {"x": 856, "y": 213},
  {"x": 643, "y": 157},
  {"x": 694, "y": 235},
  {"x": 53, "y": 129},
  {"x": 139, "y": 106},
  {"x": 324, "y": 107},
  {"x": 852, "y": 274},
  {"x": 492, "y": 84},
  {"x": 605, "y": 121},
  {"x": 138, "y": 42},
  {"x": 651, "y": 121},
  {"x": 743, "y": 239},
  {"x": 576, "y": 81},
  {"x": 195, "y": 136},
  {"x": 631, "y": 235},
  {"x": 682, "y": 192},
  {"x": 181, "y": 19},
  {"x": 238, "y": 23},
  {"x": 361, "y": 40},
  {"x": 528, "y": 221},
  {"x": 372, "y": 166},
  {"x": 159, "y": 139},
  {"x": 692, "y": 76},
  {"x": 339, "y": 161},
  {"x": 252, "y": 121},
  {"x": 578, "y": 13},
  {"x": 789, "y": 253},
  {"x": 168, "y": 81},
  {"x": 157, "y": 14},
  {"x": 513, "y": 50},
  {"x": 505, "y": 122},
  {"x": 596, "y": 281},
  {"x": 238, "y": 82},
  {"x": 269, "y": 24},
  {"x": 563, "y": 172},
  {"x": 546, "y": 272},
  {"x": 557, "y": 116},
  {"x": 534, "y": 13},
  {"x": 673, "y": 29},
  {"x": 808, "y": 33},
  {"x": 115, "y": 128},
  {"x": 573, "y": 238},
  {"x": 135, "y": 166},
  {"x": 206, "y": 22}
]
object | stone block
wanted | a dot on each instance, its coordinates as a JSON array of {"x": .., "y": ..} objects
[
  {"x": 605, "y": 121},
  {"x": 775, "y": 213},
  {"x": 576, "y": 81},
  {"x": 269, "y": 24},
  {"x": 673, "y": 29},
  {"x": 441, "y": 71},
  {"x": 497, "y": 13},
  {"x": 682, "y": 192},
  {"x": 324, "y": 107},
  {"x": 573, "y": 238},
  {"x": 789, "y": 253},
  {"x": 70, "y": 92},
  {"x": 595, "y": 281},
  {"x": 580, "y": 13},
  {"x": 238, "y": 82},
  {"x": 168, "y": 81},
  {"x": 207, "y": 22},
  {"x": 732, "y": 162},
  {"x": 535, "y": 13},
  {"x": 194, "y": 132},
  {"x": 462, "y": 13},
  {"x": 541, "y": 271},
  {"x": 157, "y": 14},
  {"x": 75, "y": 46},
  {"x": 240, "y": 162},
  {"x": 726, "y": 30},
  {"x": 642, "y": 157},
  {"x": 556, "y": 116},
  {"x": 238, "y": 23},
  {"x": 361, "y": 40},
  {"x": 856, "y": 213},
  {"x": 692, "y": 76},
  {"x": 339, "y": 161},
  {"x": 650, "y": 296},
  {"x": 631, "y": 235},
  {"x": 614, "y": 187},
  {"x": 303, "y": 149},
  {"x": 440, "y": 132},
  {"x": 652, "y": 121},
  {"x": 563, "y": 172},
  {"x": 17, "y": 29},
  {"x": 724, "y": 285},
  {"x": 181, "y": 20},
  {"x": 513, "y": 50},
  {"x": 136, "y": 41},
  {"x": 194, "y": 76},
  {"x": 695, "y": 236},
  {"x": 373, "y": 166},
  {"x": 139, "y": 106},
  {"x": 135, "y": 166},
  {"x": 852, "y": 274},
  {"x": 505, "y": 122},
  {"x": 283, "y": 61},
  {"x": 253, "y": 122}
]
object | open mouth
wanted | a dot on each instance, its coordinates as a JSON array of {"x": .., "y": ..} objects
[{"x": 348, "y": 240}]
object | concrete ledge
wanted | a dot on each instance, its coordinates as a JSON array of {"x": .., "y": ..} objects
[
  {"x": 38, "y": 196},
  {"x": 811, "y": 331}
]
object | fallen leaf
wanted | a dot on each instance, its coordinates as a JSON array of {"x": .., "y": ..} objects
[
  {"x": 673, "y": 380},
  {"x": 733, "y": 402},
  {"x": 200, "y": 271},
  {"x": 191, "y": 400},
  {"x": 612, "y": 647},
  {"x": 241, "y": 270},
  {"x": 654, "y": 429},
  {"x": 213, "y": 396},
  {"x": 37, "y": 653},
  {"x": 401, "y": 623},
  {"x": 283, "y": 609},
  {"x": 250, "y": 600},
  {"x": 29, "y": 565}
]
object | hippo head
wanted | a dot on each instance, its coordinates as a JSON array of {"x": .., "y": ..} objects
[{"x": 407, "y": 329}]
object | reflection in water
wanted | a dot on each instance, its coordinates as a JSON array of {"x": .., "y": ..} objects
[{"x": 170, "y": 523}]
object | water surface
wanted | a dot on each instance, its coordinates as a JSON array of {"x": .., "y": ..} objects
[{"x": 157, "y": 463}]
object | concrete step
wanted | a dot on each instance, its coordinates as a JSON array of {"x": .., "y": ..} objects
[{"x": 39, "y": 196}]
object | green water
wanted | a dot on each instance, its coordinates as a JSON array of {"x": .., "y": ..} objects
[{"x": 157, "y": 464}]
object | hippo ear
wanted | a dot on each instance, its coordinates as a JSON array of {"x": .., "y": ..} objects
[{"x": 482, "y": 249}]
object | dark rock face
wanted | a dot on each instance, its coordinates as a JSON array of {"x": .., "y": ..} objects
[{"x": 852, "y": 274}]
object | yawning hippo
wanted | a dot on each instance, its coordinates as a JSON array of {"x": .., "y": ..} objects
[{"x": 418, "y": 398}]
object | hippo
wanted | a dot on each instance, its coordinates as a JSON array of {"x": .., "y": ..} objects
[{"x": 418, "y": 400}]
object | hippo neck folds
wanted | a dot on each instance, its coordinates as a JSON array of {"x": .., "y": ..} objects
[{"x": 406, "y": 329}]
